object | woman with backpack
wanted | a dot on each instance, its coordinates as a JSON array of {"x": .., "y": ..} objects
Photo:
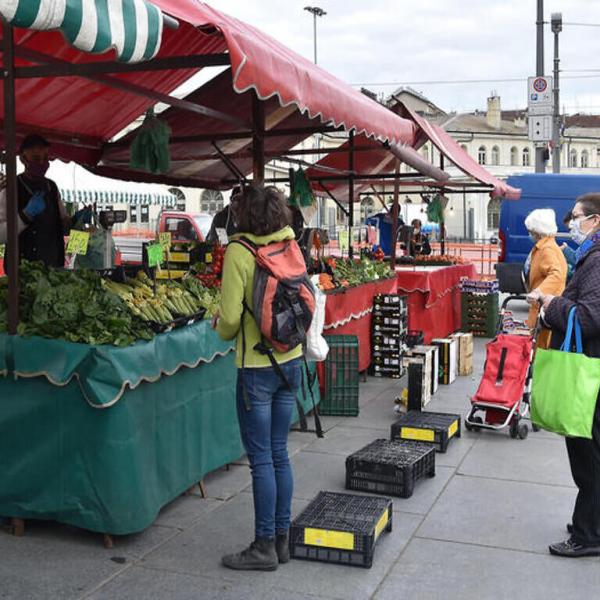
[{"x": 254, "y": 307}]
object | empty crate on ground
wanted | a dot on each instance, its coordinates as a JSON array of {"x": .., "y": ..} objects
[
  {"x": 448, "y": 359},
  {"x": 430, "y": 355},
  {"x": 341, "y": 377},
  {"x": 465, "y": 352},
  {"x": 340, "y": 528},
  {"x": 390, "y": 321},
  {"x": 390, "y": 467},
  {"x": 430, "y": 427},
  {"x": 419, "y": 379}
]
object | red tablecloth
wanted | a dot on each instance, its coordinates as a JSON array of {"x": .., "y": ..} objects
[
  {"x": 433, "y": 297},
  {"x": 348, "y": 312}
]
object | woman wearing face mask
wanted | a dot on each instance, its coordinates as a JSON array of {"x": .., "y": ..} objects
[
  {"x": 583, "y": 292},
  {"x": 43, "y": 221},
  {"x": 545, "y": 268}
]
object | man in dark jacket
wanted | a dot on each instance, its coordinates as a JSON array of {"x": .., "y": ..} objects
[{"x": 583, "y": 292}]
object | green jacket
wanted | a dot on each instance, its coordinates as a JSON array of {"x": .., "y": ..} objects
[{"x": 237, "y": 285}]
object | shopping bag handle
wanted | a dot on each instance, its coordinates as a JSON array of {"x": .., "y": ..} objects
[{"x": 573, "y": 324}]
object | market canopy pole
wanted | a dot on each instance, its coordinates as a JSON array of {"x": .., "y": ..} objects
[
  {"x": 8, "y": 64},
  {"x": 258, "y": 139},
  {"x": 395, "y": 208},
  {"x": 351, "y": 193}
]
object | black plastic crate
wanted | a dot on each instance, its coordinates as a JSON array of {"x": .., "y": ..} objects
[
  {"x": 340, "y": 528},
  {"x": 387, "y": 371},
  {"x": 395, "y": 301},
  {"x": 429, "y": 427},
  {"x": 414, "y": 337},
  {"x": 341, "y": 377},
  {"x": 390, "y": 467}
]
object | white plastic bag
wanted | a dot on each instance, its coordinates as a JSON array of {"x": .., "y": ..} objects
[{"x": 316, "y": 346}]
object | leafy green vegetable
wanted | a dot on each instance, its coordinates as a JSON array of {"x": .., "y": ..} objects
[{"x": 71, "y": 305}]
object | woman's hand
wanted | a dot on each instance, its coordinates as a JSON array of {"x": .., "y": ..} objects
[
  {"x": 535, "y": 296},
  {"x": 215, "y": 320}
]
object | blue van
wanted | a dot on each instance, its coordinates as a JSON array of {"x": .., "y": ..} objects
[{"x": 538, "y": 191}]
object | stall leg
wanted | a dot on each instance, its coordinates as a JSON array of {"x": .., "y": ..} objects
[
  {"x": 17, "y": 527},
  {"x": 108, "y": 541},
  {"x": 202, "y": 488}
]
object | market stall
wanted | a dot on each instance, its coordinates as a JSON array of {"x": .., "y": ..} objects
[
  {"x": 113, "y": 434},
  {"x": 433, "y": 297}
]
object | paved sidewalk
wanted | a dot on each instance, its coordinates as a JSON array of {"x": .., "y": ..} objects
[{"x": 479, "y": 529}]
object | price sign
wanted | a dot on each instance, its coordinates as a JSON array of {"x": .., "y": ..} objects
[
  {"x": 155, "y": 255},
  {"x": 2, "y": 250},
  {"x": 78, "y": 242},
  {"x": 222, "y": 235},
  {"x": 164, "y": 239},
  {"x": 344, "y": 241}
]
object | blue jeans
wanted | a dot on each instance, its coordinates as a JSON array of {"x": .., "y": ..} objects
[{"x": 264, "y": 428}]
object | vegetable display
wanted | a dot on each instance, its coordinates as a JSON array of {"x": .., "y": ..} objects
[
  {"x": 349, "y": 273},
  {"x": 72, "y": 306}
]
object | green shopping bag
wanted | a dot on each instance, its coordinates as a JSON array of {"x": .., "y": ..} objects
[{"x": 565, "y": 386}]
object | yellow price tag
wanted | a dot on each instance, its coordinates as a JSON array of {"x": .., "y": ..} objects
[
  {"x": 2, "y": 250},
  {"x": 78, "y": 242},
  {"x": 164, "y": 239}
]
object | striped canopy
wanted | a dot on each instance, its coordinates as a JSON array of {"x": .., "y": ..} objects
[
  {"x": 104, "y": 197},
  {"x": 132, "y": 27}
]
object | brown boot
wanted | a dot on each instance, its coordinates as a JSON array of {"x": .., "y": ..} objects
[
  {"x": 259, "y": 556},
  {"x": 282, "y": 546}
]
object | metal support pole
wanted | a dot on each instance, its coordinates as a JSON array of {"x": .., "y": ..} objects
[
  {"x": 350, "y": 193},
  {"x": 315, "y": 35},
  {"x": 464, "y": 215},
  {"x": 258, "y": 139},
  {"x": 540, "y": 166},
  {"x": 12, "y": 268},
  {"x": 395, "y": 209},
  {"x": 556, "y": 28}
]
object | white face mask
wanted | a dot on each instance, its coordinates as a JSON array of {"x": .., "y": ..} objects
[{"x": 577, "y": 235}]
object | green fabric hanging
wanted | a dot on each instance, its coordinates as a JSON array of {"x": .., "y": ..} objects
[
  {"x": 150, "y": 148},
  {"x": 302, "y": 193},
  {"x": 435, "y": 211}
]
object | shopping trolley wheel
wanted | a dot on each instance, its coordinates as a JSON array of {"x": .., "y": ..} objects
[
  {"x": 534, "y": 427},
  {"x": 523, "y": 431},
  {"x": 473, "y": 426},
  {"x": 514, "y": 429}
]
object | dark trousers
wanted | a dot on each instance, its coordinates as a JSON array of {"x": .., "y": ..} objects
[{"x": 584, "y": 456}]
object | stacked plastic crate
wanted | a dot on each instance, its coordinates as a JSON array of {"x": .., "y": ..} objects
[
  {"x": 390, "y": 325},
  {"x": 479, "y": 304}
]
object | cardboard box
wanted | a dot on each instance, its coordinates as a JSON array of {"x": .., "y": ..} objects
[
  {"x": 448, "y": 359},
  {"x": 434, "y": 362},
  {"x": 465, "y": 352},
  {"x": 419, "y": 380}
]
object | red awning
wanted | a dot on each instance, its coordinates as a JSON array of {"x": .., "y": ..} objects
[
  {"x": 80, "y": 115},
  {"x": 195, "y": 161},
  {"x": 444, "y": 142}
]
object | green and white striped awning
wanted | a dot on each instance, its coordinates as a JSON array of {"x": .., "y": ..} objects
[
  {"x": 105, "y": 198},
  {"x": 132, "y": 27}
]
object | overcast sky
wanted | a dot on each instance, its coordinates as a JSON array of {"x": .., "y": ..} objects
[{"x": 378, "y": 42}]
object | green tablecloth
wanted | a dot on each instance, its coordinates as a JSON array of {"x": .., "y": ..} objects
[{"x": 103, "y": 437}]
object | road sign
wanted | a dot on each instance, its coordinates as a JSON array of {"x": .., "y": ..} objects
[
  {"x": 540, "y": 128},
  {"x": 540, "y": 99}
]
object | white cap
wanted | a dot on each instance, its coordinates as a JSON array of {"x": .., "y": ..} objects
[{"x": 542, "y": 221}]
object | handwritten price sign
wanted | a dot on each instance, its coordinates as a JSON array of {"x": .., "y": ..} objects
[
  {"x": 2, "y": 250},
  {"x": 78, "y": 242},
  {"x": 155, "y": 255},
  {"x": 164, "y": 239}
]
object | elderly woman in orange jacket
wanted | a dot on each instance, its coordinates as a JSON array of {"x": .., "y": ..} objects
[{"x": 546, "y": 267}]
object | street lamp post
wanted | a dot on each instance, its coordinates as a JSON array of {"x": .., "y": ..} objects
[
  {"x": 556, "y": 24},
  {"x": 316, "y": 12}
]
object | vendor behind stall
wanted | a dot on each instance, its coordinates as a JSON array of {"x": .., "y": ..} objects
[
  {"x": 419, "y": 242},
  {"x": 43, "y": 220},
  {"x": 225, "y": 219}
]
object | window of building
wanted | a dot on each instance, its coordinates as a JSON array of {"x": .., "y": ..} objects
[
  {"x": 493, "y": 213},
  {"x": 210, "y": 199},
  {"x": 181, "y": 205},
  {"x": 573, "y": 158},
  {"x": 133, "y": 213},
  {"x": 585, "y": 159},
  {"x": 495, "y": 155},
  {"x": 425, "y": 152},
  {"x": 526, "y": 157},
  {"x": 482, "y": 155},
  {"x": 145, "y": 214},
  {"x": 514, "y": 156}
]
